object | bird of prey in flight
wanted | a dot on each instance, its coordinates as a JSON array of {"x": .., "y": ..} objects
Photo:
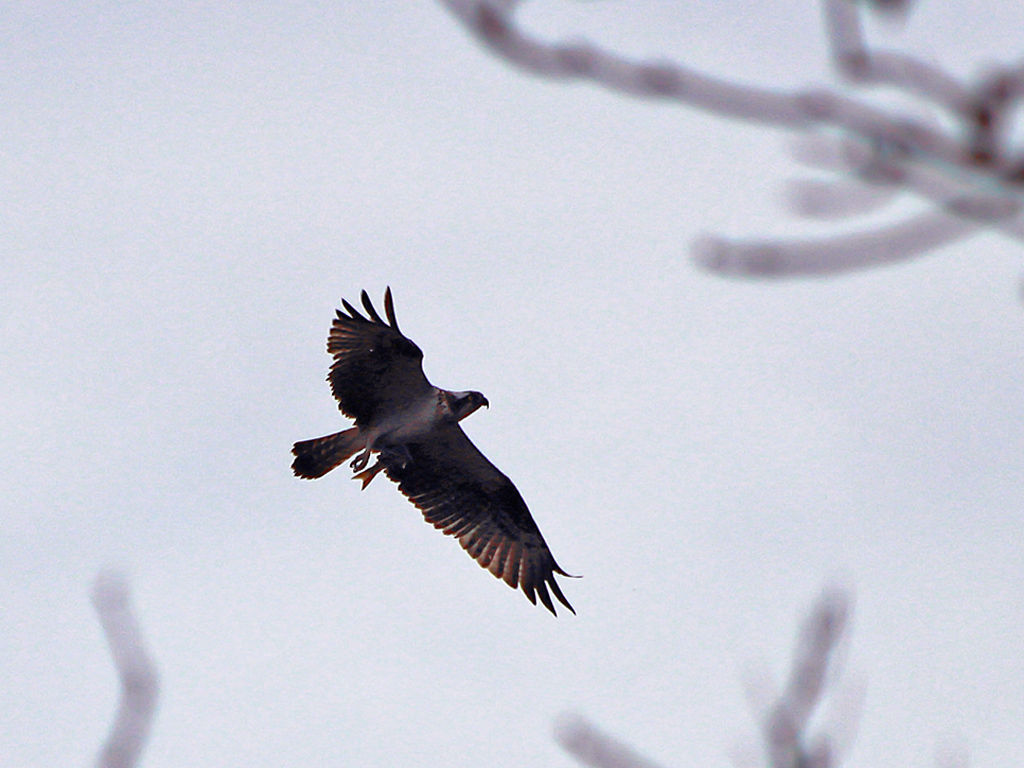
[{"x": 413, "y": 427}]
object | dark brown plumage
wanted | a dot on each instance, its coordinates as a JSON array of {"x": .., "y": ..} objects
[{"x": 412, "y": 427}]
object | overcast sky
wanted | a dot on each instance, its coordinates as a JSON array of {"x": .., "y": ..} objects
[{"x": 188, "y": 192}]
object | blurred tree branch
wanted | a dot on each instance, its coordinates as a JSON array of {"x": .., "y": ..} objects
[
  {"x": 138, "y": 676},
  {"x": 593, "y": 748},
  {"x": 970, "y": 175},
  {"x": 785, "y": 726}
]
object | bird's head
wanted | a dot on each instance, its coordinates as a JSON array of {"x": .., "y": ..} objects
[{"x": 462, "y": 404}]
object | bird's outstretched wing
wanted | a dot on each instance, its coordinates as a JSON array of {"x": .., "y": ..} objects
[
  {"x": 376, "y": 368},
  {"x": 464, "y": 495}
]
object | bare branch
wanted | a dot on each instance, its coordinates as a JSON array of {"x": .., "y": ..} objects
[
  {"x": 591, "y": 747},
  {"x": 969, "y": 174},
  {"x": 786, "y": 723},
  {"x": 835, "y": 200},
  {"x": 829, "y": 256},
  {"x": 492, "y": 24},
  {"x": 138, "y": 676},
  {"x": 854, "y": 61}
]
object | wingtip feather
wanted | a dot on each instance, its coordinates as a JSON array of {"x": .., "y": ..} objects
[
  {"x": 370, "y": 308},
  {"x": 389, "y": 309},
  {"x": 542, "y": 592},
  {"x": 355, "y": 315},
  {"x": 558, "y": 593}
]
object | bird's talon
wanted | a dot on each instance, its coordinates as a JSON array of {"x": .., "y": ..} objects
[{"x": 368, "y": 474}]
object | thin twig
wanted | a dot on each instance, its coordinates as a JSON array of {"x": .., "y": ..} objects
[
  {"x": 138, "y": 676},
  {"x": 591, "y": 747},
  {"x": 785, "y": 727}
]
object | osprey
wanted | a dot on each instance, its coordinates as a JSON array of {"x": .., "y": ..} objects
[{"x": 413, "y": 427}]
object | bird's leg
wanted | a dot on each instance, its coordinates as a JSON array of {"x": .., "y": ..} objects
[
  {"x": 390, "y": 455},
  {"x": 360, "y": 461},
  {"x": 368, "y": 474}
]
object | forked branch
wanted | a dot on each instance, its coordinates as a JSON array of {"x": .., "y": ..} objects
[
  {"x": 786, "y": 725},
  {"x": 970, "y": 174}
]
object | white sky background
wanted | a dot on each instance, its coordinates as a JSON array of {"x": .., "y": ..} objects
[{"x": 187, "y": 194}]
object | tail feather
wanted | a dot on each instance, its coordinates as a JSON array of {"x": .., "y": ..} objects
[{"x": 315, "y": 458}]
